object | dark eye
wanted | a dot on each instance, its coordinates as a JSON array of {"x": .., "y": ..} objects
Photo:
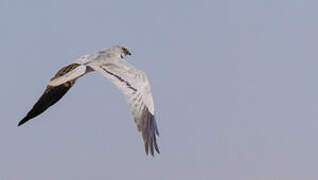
[{"x": 126, "y": 51}]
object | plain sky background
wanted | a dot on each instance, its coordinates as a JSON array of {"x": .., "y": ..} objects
[{"x": 234, "y": 84}]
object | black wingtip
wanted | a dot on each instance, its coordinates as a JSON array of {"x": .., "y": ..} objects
[{"x": 24, "y": 120}]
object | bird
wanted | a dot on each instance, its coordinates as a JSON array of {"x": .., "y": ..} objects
[{"x": 132, "y": 82}]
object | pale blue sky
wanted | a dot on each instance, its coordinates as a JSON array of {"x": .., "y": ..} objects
[{"x": 234, "y": 84}]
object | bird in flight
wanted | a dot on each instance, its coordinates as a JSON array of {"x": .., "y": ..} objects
[{"x": 132, "y": 82}]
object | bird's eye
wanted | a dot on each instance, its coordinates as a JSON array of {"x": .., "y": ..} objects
[{"x": 126, "y": 51}]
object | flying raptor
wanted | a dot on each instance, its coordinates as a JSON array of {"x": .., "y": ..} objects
[{"x": 111, "y": 64}]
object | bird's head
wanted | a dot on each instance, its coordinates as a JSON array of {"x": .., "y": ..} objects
[{"x": 123, "y": 51}]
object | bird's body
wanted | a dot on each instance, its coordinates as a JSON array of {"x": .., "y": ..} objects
[{"x": 112, "y": 65}]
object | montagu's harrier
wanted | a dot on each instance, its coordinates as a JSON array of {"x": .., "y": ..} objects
[{"x": 111, "y": 64}]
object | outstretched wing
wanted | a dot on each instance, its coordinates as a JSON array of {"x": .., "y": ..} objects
[
  {"x": 136, "y": 88},
  {"x": 58, "y": 86}
]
